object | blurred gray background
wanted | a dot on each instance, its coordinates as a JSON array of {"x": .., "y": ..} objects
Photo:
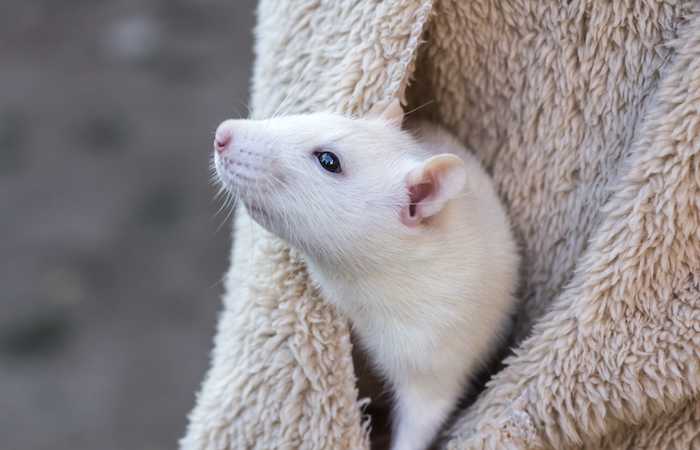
[{"x": 110, "y": 258}]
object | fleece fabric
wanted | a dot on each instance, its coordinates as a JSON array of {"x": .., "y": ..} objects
[{"x": 587, "y": 116}]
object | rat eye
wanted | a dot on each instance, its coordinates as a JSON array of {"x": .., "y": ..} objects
[{"x": 329, "y": 161}]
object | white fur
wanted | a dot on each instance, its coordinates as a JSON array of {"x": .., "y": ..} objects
[{"x": 428, "y": 295}]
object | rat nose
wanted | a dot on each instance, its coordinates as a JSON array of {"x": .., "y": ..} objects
[{"x": 222, "y": 140}]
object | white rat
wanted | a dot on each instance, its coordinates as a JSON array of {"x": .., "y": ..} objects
[{"x": 402, "y": 233}]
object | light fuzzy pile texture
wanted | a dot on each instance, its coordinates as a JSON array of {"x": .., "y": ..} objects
[{"x": 587, "y": 114}]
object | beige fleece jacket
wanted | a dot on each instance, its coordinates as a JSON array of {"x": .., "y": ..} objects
[{"x": 587, "y": 115}]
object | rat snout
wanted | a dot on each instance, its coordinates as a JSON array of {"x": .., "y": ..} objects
[{"x": 224, "y": 136}]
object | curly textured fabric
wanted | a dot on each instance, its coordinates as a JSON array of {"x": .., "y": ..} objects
[{"x": 587, "y": 115}]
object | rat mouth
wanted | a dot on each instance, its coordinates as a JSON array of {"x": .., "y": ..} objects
[
  {"x": 260, "y": 215},
  {"x": 253, "y": 210}
]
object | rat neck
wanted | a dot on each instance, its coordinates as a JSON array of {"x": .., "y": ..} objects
[
  {"x": 392, "y": 286},
  {"x": 393, "y": 279}
]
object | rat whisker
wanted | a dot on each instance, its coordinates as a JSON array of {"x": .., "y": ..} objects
[
  {"x": 297, "y": 100},
  {"x": 406, "y": 114},
  {"x": 301, "y": 77},
  {"x": 250, "y": 113},
  {"x": 232, "y": 208}
]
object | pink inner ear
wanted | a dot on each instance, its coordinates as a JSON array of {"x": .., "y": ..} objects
[{"x": 418, "y": 192}]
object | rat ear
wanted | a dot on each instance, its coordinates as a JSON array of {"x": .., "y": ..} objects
[
  {"x": 430, "y": 185},
  {"x": 389, "y": 110}
]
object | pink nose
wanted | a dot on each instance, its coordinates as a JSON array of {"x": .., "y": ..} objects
[{"x": 223, "y": 138}]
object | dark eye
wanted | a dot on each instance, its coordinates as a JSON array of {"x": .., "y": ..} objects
[{"x": 329, "y": 161}]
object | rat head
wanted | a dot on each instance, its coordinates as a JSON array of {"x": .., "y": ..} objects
[{"x": 337, "y": 188}]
